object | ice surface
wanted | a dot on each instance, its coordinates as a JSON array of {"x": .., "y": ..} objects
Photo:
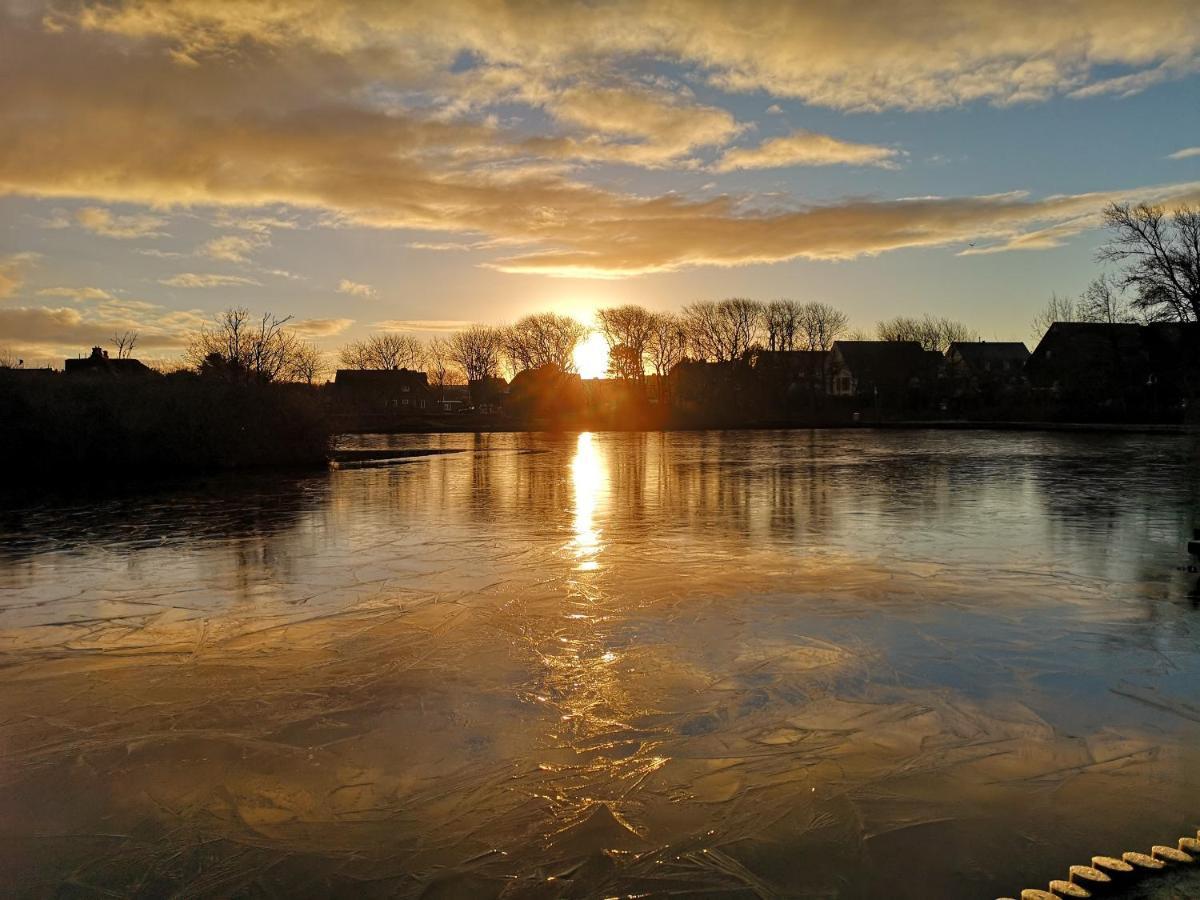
[{"x": 732, "y": 664}]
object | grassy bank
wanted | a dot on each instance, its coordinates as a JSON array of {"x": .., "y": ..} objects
[{"x": 81, "y": 426}]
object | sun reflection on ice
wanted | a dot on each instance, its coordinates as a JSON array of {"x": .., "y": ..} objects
[{"x": 589, "y": 480}]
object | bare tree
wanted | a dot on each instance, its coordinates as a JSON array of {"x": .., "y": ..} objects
[
  {"x": 1160, "y": 256},
  {"x": 125, "y": 343},
  {"x": 930, "y": 332},
  {"x": 543, "y": 339},
  {"x": 384, "y": 351},
  {"x": 308, "y": 364},
  {"x": 1103, "y": 301},
  {"x": 722, "y": 331},
  {"x": 9, "y": 360},
  {"x": 441, "y": 367},
  {"x": 476, "y": 350},
  {"x": 782, "y": 321},
  {"x": 239, "y": 347},
  {"x": 667, "y": 345},
  {"x": 821, "y": 325},
  {"x": 1057, "y": 309},
  {"x": 628, "y": 327}
]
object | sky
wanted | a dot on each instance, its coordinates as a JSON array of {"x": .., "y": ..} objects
[{"x": 372, "y": 165}]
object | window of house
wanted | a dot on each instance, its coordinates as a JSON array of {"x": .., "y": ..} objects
[
  {"x": 404, "y": 388},
  {"x": 404, "y": 402}
]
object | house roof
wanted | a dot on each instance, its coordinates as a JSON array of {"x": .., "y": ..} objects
[
  {"x": 105, "y": 365},
  {"x": 380, "y": 378},
  {"x": 880, "y": 354},
  {"x": 978, "y": 353}
]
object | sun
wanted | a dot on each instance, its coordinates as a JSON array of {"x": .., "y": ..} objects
[{"x": 591, "y": 356}]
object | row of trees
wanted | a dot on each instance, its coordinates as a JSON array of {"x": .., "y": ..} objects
[
  {"x": 238, "y": 345},
  {"x": 1158, "y": 279}
]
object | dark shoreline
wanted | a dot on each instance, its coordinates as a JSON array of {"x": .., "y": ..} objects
[{"x": 908, "y": 425}]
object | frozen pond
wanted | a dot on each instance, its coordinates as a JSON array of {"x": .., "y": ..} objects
[{"x": 851, "y": 664}]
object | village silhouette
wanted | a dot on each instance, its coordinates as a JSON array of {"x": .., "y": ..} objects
[{"x": 249, "y": 391}]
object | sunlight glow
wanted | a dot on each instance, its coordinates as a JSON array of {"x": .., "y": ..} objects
[
  {"x": 588, "y": 480},
  {"x": 591, "y": 356}
]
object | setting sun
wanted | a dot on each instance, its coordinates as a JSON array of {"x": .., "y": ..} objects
[{"x": 591, "y": 356}]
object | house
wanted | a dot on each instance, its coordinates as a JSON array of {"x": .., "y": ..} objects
[
  {"x": 794, "y": 369},
  {"x": 487, "y": 394},
  {"x": 1091, "y": 364},
  {"x": 890, "y": 369},
  {"x": 987, "y": 360},
  {"x": 451, "y": 397},
  {"x": 1122, "y": 369},
  {"x": 99, "y": 364},
  {"x": 985, "y": 370},
  {"x": 383, "y": 390}
]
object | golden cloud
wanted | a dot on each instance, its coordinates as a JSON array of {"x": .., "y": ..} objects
[
  {"x": 431, "y": 326},
  {"x": 355, "y": 289},
  {"x": 77, "y": 293},
  {"x": 194, "y": 280},
  {"x": 12, "y": 272},
  {"x": 807, "y": 148},
  {"x": 866, "y": 55},
  {"x": 320, "y": 327},
  {"x": 232, "y": 247},
  {"x": 67, "y": 331},
  {"x": 103, "y": 222},
  {"x": 249, "y": 104}
]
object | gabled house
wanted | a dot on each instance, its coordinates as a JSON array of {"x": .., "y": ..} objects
[
  {"x": 891, "y": 369},
  {"x": 985, "y": 370},
  {"x": 987, "y": 360},
  {"x": 1094, "y": 364},
  {"x": 1118, "y": 368},
  {"x": 382, "y": 391},
  {"x": 99, "y": 364}
]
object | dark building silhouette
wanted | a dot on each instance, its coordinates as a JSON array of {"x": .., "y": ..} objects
[
  {"x": 891, "y": 370},
  {"x": 985, "y": 372},
  {"x": 383, "y": 391},
  {"x": 99, "y": 363},
  {"x": 1119, "y": 368},
  {"x": 488, "y": 394},
  {"x": 987, "y": 360}
]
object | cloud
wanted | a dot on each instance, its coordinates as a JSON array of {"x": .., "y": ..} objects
[
  {"x": 660, "y": 125},
  {"x": 320, "y": 327},
  {"x": 867, "y": 57},
  {"x": 362, "y": 114},
  {"x": 354, "y": 288},
  {"x": 68, "y": 330},
  {"x": 231, "y": 247},
  {"x": 439, "y": 245},
  {"x": 422, "y": 325},
  {"x": 101, "y": 221},
  {"x": 192, "y": 280},
  {"x": 1185, "y": 153},
  {"x": 12, "y": 272},
  {"x": 77, "y": 293},
  {"x": 673, "y": 234},
  {"x": 807, "y": 148}
]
